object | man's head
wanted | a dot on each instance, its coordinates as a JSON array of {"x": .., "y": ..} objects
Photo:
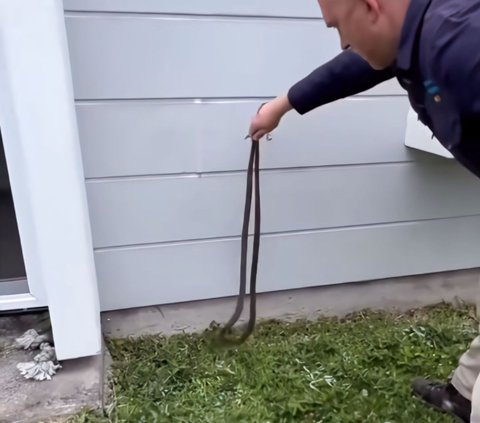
[{"x": 371, "y": 28}]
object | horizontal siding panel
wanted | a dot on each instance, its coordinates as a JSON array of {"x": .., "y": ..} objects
[
  {"x": 136, "y": 277},
  {"x": 287, "y": 8},
  {"x": 158, "y": 57},
  {"x": 174, "y": 137},
  {"x": 150, "y": 210}
]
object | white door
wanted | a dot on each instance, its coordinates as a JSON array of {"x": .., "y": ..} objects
[
  {"x": 40, "y": 137},
  {"x": 13, "y": 280}
]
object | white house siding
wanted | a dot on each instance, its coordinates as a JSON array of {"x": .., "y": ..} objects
[{"x": 164, "y": 94}]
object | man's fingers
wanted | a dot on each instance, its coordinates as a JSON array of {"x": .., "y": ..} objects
[
  {"x": 255, "y": 131},
  {"x": 255, "y": 126},
  {"x": 258, "y": 135}
]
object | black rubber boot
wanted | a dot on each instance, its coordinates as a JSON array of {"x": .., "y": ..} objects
[{"x": 443, "y": 397}]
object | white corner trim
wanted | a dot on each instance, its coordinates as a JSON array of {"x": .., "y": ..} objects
[{"x": 42, "y": 148}]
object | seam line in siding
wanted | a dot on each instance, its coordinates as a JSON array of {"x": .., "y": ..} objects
[
  {"x": 280, "y": 233},
  {"x": 182, "y": 16},
  {"x": 174, "y": 100},
  {"x": 209, "y": 100},
  {"x": 195, "y": 175}
]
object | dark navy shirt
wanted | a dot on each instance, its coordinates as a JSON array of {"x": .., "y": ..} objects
[{"x": 438, "y": 64}]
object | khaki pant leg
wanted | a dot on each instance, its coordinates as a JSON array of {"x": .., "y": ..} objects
[
  {"x": 466, "y": 378},
  {"x": 466, "y": 374},
  {"x": 475, "y": 416}
]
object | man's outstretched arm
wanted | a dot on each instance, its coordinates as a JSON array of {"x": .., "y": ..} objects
[{"x": 345, "y": 75}]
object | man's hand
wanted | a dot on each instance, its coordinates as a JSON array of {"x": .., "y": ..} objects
[{"x": 268, "y": 117}]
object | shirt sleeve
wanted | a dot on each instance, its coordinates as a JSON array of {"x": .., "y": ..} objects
[{"x": 345, "y": 75}]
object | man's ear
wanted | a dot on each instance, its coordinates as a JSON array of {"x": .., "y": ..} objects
[{"x": 373, "y": 9}]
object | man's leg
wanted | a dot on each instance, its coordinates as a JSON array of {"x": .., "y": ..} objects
[
  {"x": 466, "y": 374},
  {"x": 475, "y": 418},
  {"x": 466, "y": 378},
  {"x": 455, "y": 397}
]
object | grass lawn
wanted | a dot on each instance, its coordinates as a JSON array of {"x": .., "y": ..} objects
[{"x": 357, "y": 369}]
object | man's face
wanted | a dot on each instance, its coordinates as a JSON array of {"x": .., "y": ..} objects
[{"x": 363, "y": 27}]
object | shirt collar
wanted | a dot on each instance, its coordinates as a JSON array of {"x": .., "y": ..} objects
[{"x": 415, "y": 13}]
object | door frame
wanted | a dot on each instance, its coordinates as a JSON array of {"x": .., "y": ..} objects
[{"x": 42, "y": 148}]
